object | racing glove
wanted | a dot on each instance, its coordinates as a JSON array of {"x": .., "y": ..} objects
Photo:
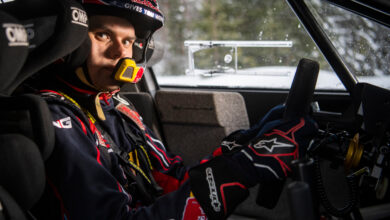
[
  {"x": 240, "y": 138},
  {"x": 222, "y": 183}
]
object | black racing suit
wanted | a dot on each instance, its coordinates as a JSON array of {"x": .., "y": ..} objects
[{"x": 86, "y": 180}]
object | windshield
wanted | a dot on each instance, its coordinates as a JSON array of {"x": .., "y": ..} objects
[
  {"x": 363, "y": 44},
  {"x": 236, "y": 44}
]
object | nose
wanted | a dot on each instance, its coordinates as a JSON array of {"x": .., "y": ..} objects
[{"x": 117, "y": 50}]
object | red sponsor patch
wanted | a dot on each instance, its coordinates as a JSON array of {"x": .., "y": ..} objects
[
  {"x": 149, "y": 3},
  {"x": 133, "y": 115},
  {"x": 193, "y": 211}
]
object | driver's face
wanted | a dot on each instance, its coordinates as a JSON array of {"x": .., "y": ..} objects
[{"x": 112, "y": 39}]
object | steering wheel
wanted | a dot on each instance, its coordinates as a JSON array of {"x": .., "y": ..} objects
[
  {"x": 302, "y": 89},
  {"x": 297, "y": 105}
]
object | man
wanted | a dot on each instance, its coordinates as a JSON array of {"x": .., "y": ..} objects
[{"x": 108, "y": 165}]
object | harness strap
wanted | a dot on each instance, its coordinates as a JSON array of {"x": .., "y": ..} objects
[
  {"x": 143, "y": 169},
  {"x": 128, "y": 110}
]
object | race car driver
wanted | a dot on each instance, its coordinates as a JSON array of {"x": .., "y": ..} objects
[{"x": 108, "y": 165}]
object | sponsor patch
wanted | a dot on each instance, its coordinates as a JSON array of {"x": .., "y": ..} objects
[
  {"x": 63, "y": 123},
  {"x": 213, "y": 190},
  {"x": 133, "y": 115},
  {"x": 16, "y": 34},
  {"x": 79, "y": 17}
]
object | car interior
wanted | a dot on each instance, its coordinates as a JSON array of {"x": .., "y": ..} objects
[{"x": 345, "y": 174}]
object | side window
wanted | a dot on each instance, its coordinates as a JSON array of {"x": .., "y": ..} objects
[
  {"x": 235, "y": 44},
  {"x": 363, "y": 44}
]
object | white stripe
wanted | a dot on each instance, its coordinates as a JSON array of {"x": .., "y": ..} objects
[
  {"x": 158, "y": 141},
  {"x": 268, "y": 168},
  {"x": 159, "y": 154},
  {"x": 247, "y": 155},
  {"x": 80, "y": 23},
  {"x": 12, "y": 44}
]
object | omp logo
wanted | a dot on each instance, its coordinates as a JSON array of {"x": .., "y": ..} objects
[
  {"x": 16, "y": 34},
  {"x": 5, "y": 1},
  {"x": 213, "y": 190},
  {"x": 79, "y": 16},
  {"x": 63, "y": 123}
]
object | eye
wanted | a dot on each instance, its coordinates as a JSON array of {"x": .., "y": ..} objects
[
  {"x": 128, "y": 42},
  {"x": 103, "y": 36}
]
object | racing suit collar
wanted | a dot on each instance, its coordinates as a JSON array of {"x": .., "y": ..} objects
[{"x": 88, "y": 97}]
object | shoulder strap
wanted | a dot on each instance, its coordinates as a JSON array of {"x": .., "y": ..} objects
[
  {"x": 59, "y": 97},
  {"x": 127, "y": 108}
]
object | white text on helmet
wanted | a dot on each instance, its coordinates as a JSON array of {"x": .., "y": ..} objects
[
  {"x": 16, "y": 34},
  {"x": 79, "y": 16},
  {"x": 147, "y": 3},
  {"x": 143, "y": 11}
]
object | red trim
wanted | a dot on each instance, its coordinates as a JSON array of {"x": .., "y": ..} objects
[
  {"x": 76, "y": 88},
  {"x": 58, "y": 196},
  {"x": 105, "y": 97},
  {"x": 158, "y": 158},
  {"x": 82, "y": 126},
  {"x": 92, "y": 127},
  {"x": 221, "y": 188},
  {"x": 285, "y": 135},
  {"x": 185, "y": 178},
  {"x": 51, "y": 91},
  {"x": 119, "y": 186},
  {"x": 163, "y": 152},
  {"x": 217, "y": 152},
  {"x": 168, "y": 183},
  {"x": 98, "y": 155},
  {"x": 203, "y": 161}
]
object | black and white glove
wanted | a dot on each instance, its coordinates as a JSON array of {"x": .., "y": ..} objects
[
  {"x": 222, "y": 183},
  {"x": 240, "y": 138}
]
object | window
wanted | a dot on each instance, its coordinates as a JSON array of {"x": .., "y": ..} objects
[
  {"x": 235, "y": 44},
  {"x": 363, "y": 44}
]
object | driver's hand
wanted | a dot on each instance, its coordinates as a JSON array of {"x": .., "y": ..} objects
[
  {"x": 269, "y": 154},
  {"x": 238, "y": 139}
]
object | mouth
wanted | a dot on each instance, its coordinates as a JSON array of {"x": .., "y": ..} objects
[{"x": 109, "y": 69}]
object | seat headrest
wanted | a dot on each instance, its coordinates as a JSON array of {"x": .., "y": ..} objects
[
  {"x": 56, "y": 28},
  {"x": 28, "y": 115},
  {"x": 21, "y": 169},
  {"x": 13, "y": 49}
]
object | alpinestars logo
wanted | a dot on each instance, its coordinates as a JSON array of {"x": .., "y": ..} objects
[
  {"x": 79, "y": 17},
  {"x": 230, "y": 145},
  {"x": 272, "y": 144},
  {"x": 213, "y": 190},
  {"x": 63, "y": 123},
  {"x": 16, "y": 34}
]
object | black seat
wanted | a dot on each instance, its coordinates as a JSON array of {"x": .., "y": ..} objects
[{"x": 55, "y": 29}]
